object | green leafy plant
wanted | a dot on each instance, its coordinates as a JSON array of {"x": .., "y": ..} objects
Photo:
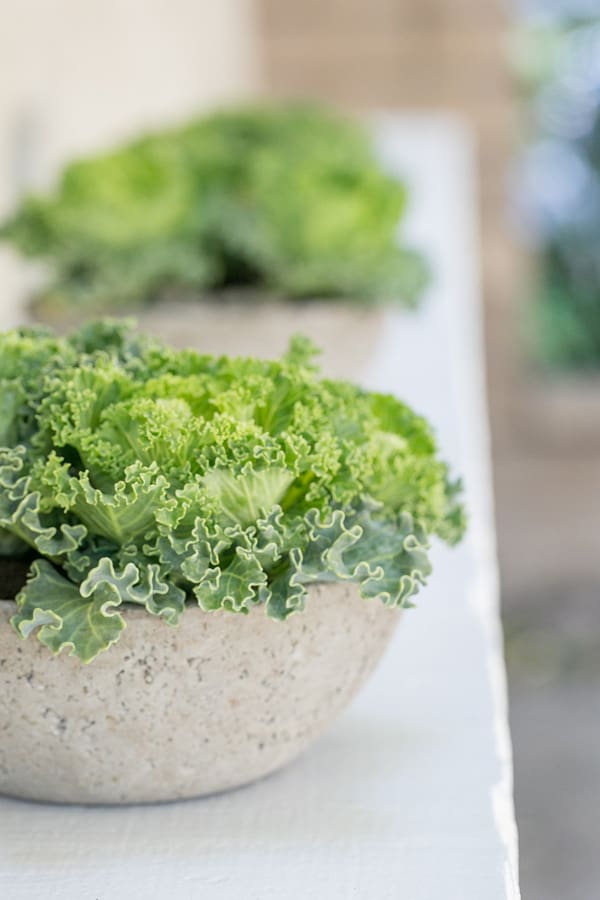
[
  {"x": 131, "y": 473},
  {"x": 288, "y": 198}
]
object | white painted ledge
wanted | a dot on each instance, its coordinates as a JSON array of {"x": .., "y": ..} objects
[{"x": 408, "y": 797}]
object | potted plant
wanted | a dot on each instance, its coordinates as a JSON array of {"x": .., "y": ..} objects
[
  {"x": 201, "y": 559},
  {"x": 230, "y": 231}
]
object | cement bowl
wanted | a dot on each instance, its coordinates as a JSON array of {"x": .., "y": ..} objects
[{"x": 168, "y": 713}]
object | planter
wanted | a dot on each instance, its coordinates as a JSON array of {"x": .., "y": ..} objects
[
  {"x": 251, "y": 323},
  {"x": 169, "y": 713},
  {"x": 137, "y": 479},
  {"x": 560, "y": 414},
  {"x": 547, "y": 484}
]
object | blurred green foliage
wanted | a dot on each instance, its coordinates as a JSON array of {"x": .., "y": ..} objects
[
  {"x": 560, "y": 66},
  {"x": 290, "y": 198}
]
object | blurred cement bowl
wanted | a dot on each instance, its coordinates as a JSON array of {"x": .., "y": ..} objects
[
  {"x": 170, "y": 713},
  {"x": 251, "y": 323}
]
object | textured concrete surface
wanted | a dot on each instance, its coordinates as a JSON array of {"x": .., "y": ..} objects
[
  {"x": 168, "y": 713},
  {"x": 254, "y": 323}
]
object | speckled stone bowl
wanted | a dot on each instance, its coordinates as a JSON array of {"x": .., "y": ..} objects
[{"x": 168, "y": 713}]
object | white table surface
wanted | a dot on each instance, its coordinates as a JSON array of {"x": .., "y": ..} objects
[{"x": 409, "y": 795}]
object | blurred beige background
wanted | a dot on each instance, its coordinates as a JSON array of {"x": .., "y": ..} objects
[{"x": 78, "y": 74}]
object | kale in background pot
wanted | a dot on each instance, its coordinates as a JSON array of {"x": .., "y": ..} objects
[{"x": 288, "y": 198}]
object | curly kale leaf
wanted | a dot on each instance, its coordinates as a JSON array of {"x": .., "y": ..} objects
[{"x": 135, "y": 474}]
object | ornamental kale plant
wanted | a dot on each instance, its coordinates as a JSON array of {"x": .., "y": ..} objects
[
  {"x": 289, "y": 198},
  {"x": 131, "y": 473}
]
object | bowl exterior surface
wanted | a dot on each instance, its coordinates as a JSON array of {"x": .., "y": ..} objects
[
  {"x": 168, "y": 713},
  {"x": 252, "y": 323}
]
